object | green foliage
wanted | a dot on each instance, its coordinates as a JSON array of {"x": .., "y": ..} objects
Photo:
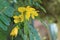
[
  {"x": 6, "y": 11},
  {"x": 3, "y": 36},
  {"x": 33, "y": 33}
]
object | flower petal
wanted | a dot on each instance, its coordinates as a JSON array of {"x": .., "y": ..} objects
[{"x": 21, "y": 9}]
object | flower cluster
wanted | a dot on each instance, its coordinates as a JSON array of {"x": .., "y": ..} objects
[{"x": 27, "y": 11}]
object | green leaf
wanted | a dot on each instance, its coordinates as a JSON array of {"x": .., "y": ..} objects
[
  {"x": 4, "y": 27},
  {"x": 31, "y": 36},
  {"x": 41, "y": 7},
  {"x": 3, "y": 36},
  {"x": 3, "y": 4},
  {"x": 9, "y": 11},
  {"x": 25, "y": 37},
  {"x": 6, "y": 8},
  {"x": 30, "y": 2},
  {"x": 6, "y": 11},
  {"x": 21, "y": 34},
  {"x": 35, "y": 33},
  {"x": 39, "y": 1},
  {"x": 4, "y": 19}
]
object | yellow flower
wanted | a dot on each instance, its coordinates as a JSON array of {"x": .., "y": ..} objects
[
  {"x": 27, "y": 15},
  {"x": 29, "y": 12},
  {"x": 29, "y": 9},
  {"x": 33, "y": 14},
  {"x": 21, "y": 9},
  {"x": 21, "y": 17},
  {"x": 14, "y": 31},
  {"x": 18, "y": 19}
]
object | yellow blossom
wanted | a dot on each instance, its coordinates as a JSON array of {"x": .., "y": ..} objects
[
  {"x": 18, "y": 19},
  {"x": 29, "y": 9},
  {"x": 27, "y": 15},
  {"x": 21, "y": 17},
  {"x": 14, "y": 31},
  {"x": 29, "y": 12},
  {"x": 34, "y": 13},
  {"x": 21, "y": 9}
]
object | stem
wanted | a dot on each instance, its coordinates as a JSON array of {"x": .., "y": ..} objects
[{"x": 12, "y": 37}]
